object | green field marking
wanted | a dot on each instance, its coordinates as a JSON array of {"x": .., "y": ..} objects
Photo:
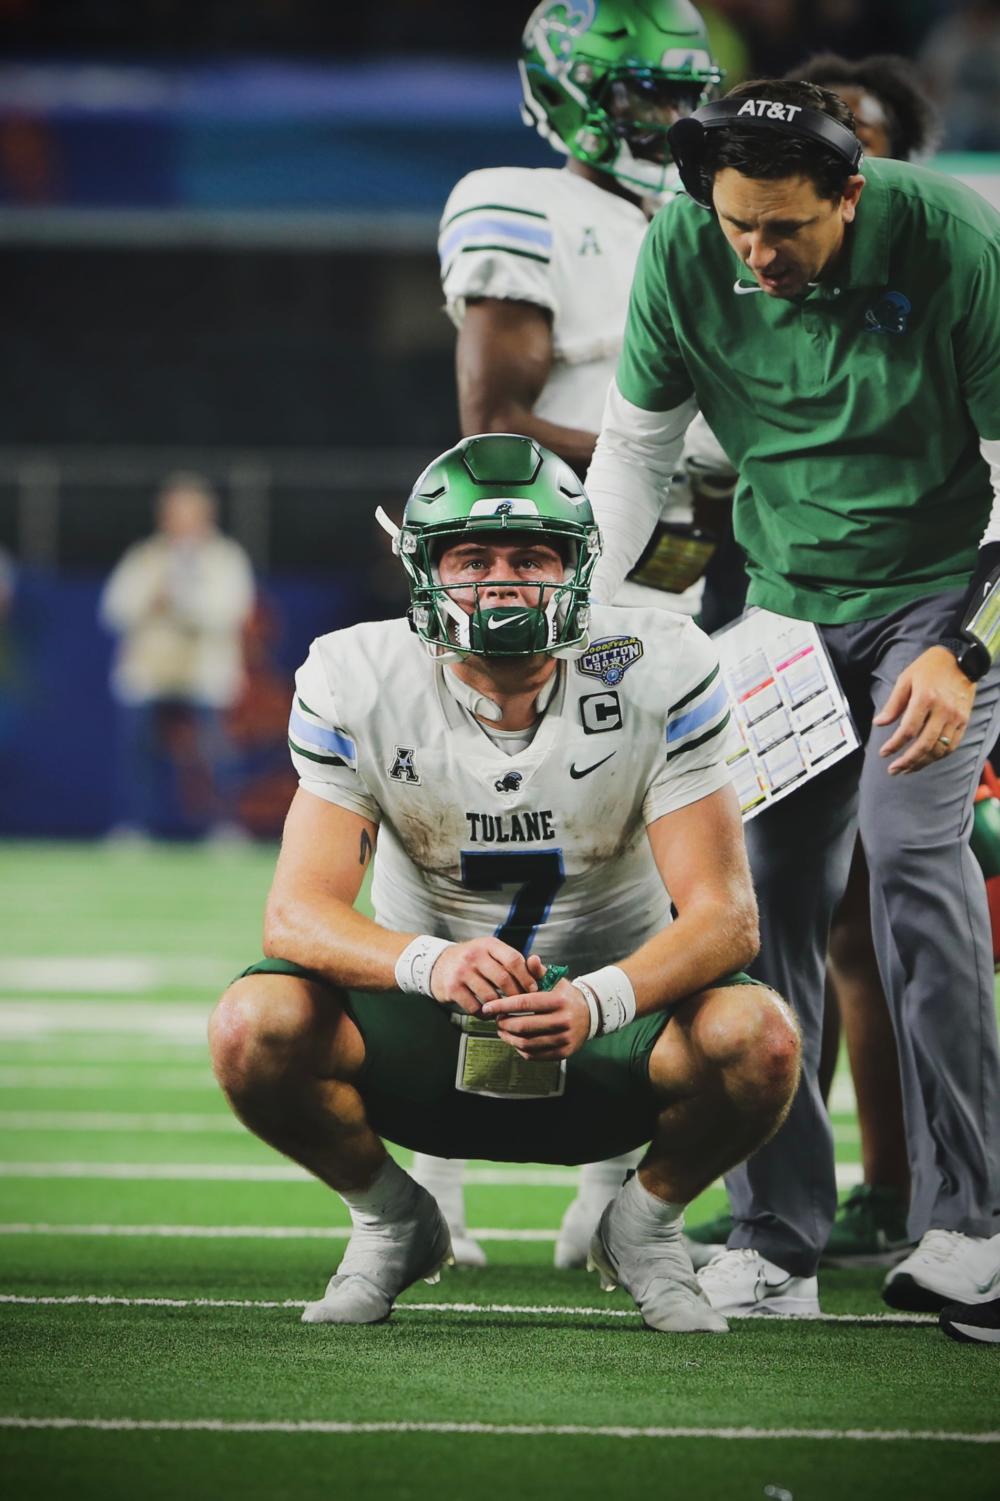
[
  {"x": 418, "y": 1369},
  {"x": 518, "y": 1272},
  {"x": 129, "y": 1040}
]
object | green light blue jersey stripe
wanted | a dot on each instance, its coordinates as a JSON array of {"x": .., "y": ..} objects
[
  {"x": 313, "y": 756},
  {"x": 503, "y": 208},
  {"x": 708, "y": 735},
  {"x": 705, "y": 683}
]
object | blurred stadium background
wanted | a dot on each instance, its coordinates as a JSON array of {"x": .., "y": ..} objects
[
  {"x": 217, "y": 254},
  {"x": 217, "y": 250}
]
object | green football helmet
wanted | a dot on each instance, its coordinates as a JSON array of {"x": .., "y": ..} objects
[
  {"x": 597, "y": 75},
  {"x": 497, "y": 483}
]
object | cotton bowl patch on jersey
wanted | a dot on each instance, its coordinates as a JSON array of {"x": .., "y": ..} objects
[{"x": 610, "y": 658}]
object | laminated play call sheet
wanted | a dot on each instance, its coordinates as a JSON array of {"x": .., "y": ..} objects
[{"x": 791, "y": 718}]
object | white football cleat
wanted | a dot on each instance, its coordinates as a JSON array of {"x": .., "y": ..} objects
[
  {"x": 465, "y": 1250},
  {"x": 380, "y": 1261},
  {"x": 657, "y": 1273},
  {"x": 702, "y": 1252},
  {"x": 743, "y": 1283},
  {"x": 946, "y": 1267}
]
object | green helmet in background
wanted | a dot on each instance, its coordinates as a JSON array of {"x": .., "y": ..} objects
[
  {"x": 498, "y": 484},
  {"x": 597, "y": 74}
]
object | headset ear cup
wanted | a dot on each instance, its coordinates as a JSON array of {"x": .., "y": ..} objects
[{"x": 686, "y": 139}]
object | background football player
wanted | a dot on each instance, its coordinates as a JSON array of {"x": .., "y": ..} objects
[
  {"x": 536, "y": 266},
  {"x": 531, "y": 780}
]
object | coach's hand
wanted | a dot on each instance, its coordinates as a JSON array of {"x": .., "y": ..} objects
[
  {"x": 468, "y": 974},
  {"x": 935, "y": 699},
  {"x": 559, "y": 1027}
]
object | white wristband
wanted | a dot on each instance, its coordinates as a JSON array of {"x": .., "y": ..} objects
[
  {"x": 610, "y": 998},
  {"x": 415, "y": 963}
]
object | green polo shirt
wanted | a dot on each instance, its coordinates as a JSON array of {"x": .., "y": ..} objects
[{"x": 854, "y": 413}]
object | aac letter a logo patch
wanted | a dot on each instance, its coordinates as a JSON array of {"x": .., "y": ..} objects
[{"x": 402, "y": 768}]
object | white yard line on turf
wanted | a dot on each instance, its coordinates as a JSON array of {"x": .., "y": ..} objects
[
  {"x": 113, "y": 973},
  {"x": 100, "y": 1300},
  {"x": 85, "y": 1077},
  {"x": 84, "y": 1121},
  {"x": 23, "y": 1018},
  {"x": 849, "y": 1174},
  {"x": 242, "y": 1232},
  {"x": 502, "y": 1430}
]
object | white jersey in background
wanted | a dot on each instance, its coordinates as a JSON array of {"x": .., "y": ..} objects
[
  {"x": 546, "y": 847},
  {"x": 554, "y": 239}
]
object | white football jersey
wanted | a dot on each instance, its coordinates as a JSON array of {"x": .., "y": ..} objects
[
  {"x": 546, "y": 848},
  {"x": 552, "y": 238},
  {"x": 549, "y": 237}
]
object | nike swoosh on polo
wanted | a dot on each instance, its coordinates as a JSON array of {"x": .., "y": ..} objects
[
  {"x": 741, "y": 289},
  {"x": 576, "y": 775},
  {"x": 494, "y": 625}
]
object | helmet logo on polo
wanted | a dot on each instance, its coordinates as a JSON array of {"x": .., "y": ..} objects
[
  {"x": 890, "y": 315},
  {"x": 509, "y": 782}
]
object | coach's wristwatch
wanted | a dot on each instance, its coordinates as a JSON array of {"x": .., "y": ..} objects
[{"x": 971, "y": 656}]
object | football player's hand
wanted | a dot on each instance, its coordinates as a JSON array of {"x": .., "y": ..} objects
[
  {"x": 932, "y": 699},
  {"x": 558, "y": 1028},
  {"x": 471, "y": 973}
]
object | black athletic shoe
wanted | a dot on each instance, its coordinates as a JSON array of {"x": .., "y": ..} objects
[{"x": 972, "y": 1323}]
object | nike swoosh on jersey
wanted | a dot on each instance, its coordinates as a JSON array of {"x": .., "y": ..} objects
[
  {"x": 494, "y": 625},
  {"x": 576, "y": 775},
  {"x": 741, "y": 289}
]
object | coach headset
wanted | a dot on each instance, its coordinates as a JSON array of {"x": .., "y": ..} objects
[{"x": 687, "y": 137}]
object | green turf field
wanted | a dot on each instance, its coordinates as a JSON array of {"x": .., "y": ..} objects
[{"x": 155, "y": 1258}]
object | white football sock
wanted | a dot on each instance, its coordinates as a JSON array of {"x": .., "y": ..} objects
[
  {"x": 641, "y": 1212},
  {"x": 390, "y": 1196},
  {"x": 600, "y": 1181},
  {"x": 442, "y": 1177}
]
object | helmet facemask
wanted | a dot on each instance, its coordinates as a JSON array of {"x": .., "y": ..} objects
[
  {"x": 459, "y": 619},
  {"x": 489, "y": 489},
  {"x": 594, "y": 82}
]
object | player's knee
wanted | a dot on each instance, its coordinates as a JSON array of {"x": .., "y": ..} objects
[
  {"x": 751, "y": 1029},
  {"x": 257, "y": 1028}
]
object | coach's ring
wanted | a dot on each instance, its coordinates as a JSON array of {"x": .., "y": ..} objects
[{"x": 943, "y": 740}]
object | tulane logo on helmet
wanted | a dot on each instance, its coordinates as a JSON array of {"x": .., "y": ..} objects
[
  {"x": 603, "y": 80},
  {"x": 498, "y": 486}
]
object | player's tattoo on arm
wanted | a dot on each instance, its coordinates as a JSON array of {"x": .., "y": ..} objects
[{"x": 365, "y": 852}]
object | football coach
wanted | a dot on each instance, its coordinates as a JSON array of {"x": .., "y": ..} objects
[{"x": 838, "y": 323}]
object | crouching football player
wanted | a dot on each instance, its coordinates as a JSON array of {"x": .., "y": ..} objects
[{"x": 533, "y": 778}]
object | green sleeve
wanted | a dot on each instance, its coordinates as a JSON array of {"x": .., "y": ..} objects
[
  {"x": 651, "y": 371},
  {"x": 977, "y": 345}
]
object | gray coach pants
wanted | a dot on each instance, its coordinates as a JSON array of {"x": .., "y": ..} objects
[{"x": 932, "y": 937}]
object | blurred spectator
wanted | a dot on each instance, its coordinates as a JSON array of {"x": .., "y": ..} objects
[
  {"x": 178, "y": 602},
  {"x": 892, "y": 114},
  {"x": 961, "y": 61}
]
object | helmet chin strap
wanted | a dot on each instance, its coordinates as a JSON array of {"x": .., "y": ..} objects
[
  {"x": 389, "y": 527},
  {"x": 659, "y": 181}
]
